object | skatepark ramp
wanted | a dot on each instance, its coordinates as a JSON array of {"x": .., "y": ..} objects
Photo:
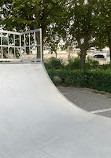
[{"x": 36, "y": 121}]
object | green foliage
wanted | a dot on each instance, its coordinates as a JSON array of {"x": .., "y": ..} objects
[
  {"x": 102, "y": 35},
  {"x": 56, "y": 63},
  {"x": 24, "y": 15},
  {"x": 73, "y": 63},
  {"x": 103, "y": 24},
  {"x": 83, "y": 23},
  {"x": 104, "y": 67},
  {"x": 91, "y": 63},
  {"x": 99, "y": 80}
]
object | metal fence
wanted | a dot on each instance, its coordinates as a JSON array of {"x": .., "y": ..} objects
[{"x": 25, "y": 46}]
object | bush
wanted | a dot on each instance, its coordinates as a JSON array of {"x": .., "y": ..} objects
[
  {"x": 56, "y": 63},
  {"x": 73, "y": 63},
  {"x": 105, "y": 67},
  {"x": 99, "y": 80},
  {"x": 91, "y": 64}
]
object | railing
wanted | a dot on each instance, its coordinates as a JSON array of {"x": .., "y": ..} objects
[{"x": 25, "y": 46}]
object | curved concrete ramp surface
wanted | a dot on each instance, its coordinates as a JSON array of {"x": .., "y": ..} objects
[{"x": 36, "y": 121}]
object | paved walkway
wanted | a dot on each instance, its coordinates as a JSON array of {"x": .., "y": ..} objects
[{"x": 89, "y": 100}]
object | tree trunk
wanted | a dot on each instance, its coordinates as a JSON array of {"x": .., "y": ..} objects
[
  {"x": 38, "y": 43},
  {"x": 109, "y": 44},
  {"x": 82, "y": 58},
  {"x": 39, "y": 53},
  {"x": 56, "y": 54},
  {"x": 37, "y": 26}
]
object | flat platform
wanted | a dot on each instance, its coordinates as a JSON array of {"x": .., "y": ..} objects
[{"x": 36, "y": 121}]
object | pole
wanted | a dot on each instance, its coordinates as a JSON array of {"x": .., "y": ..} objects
[
  {"x": 84, "y": 74},
  {"x": 52, "y": 71}
]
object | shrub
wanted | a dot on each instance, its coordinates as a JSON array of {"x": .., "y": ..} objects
[
  {"x": 91, "y": 63},
  {"x": 73, "y": 63},
  {"x": 105, "y": 67},
  {"x": 56, "y": 63},
  {"x": 99, "y": 80}
]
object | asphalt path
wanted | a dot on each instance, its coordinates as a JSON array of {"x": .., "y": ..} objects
[{"x": 89, "y": 100}]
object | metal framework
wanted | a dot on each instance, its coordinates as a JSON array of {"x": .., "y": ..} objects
[{"x": 25, "y": 46}]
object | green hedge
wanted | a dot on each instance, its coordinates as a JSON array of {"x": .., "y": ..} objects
[{"x": 99, "y": 80}]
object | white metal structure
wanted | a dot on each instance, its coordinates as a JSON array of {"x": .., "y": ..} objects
[
  {"x": 15, "y": 46},
  {"x": 36, "y": 121}
]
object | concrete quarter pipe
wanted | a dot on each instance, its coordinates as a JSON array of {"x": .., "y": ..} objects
[{"x": 36, "y": 121}]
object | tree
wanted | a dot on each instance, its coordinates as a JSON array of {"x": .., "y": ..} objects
[
  {"x": 103, "y": 33},
  {"x": 33, "y": 14},
  {"x": 82, "y": 25}
]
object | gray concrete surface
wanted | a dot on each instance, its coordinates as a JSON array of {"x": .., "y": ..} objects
[
  {"x": 89, "y": 100},
  {"x": 36, "y": 121}
]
